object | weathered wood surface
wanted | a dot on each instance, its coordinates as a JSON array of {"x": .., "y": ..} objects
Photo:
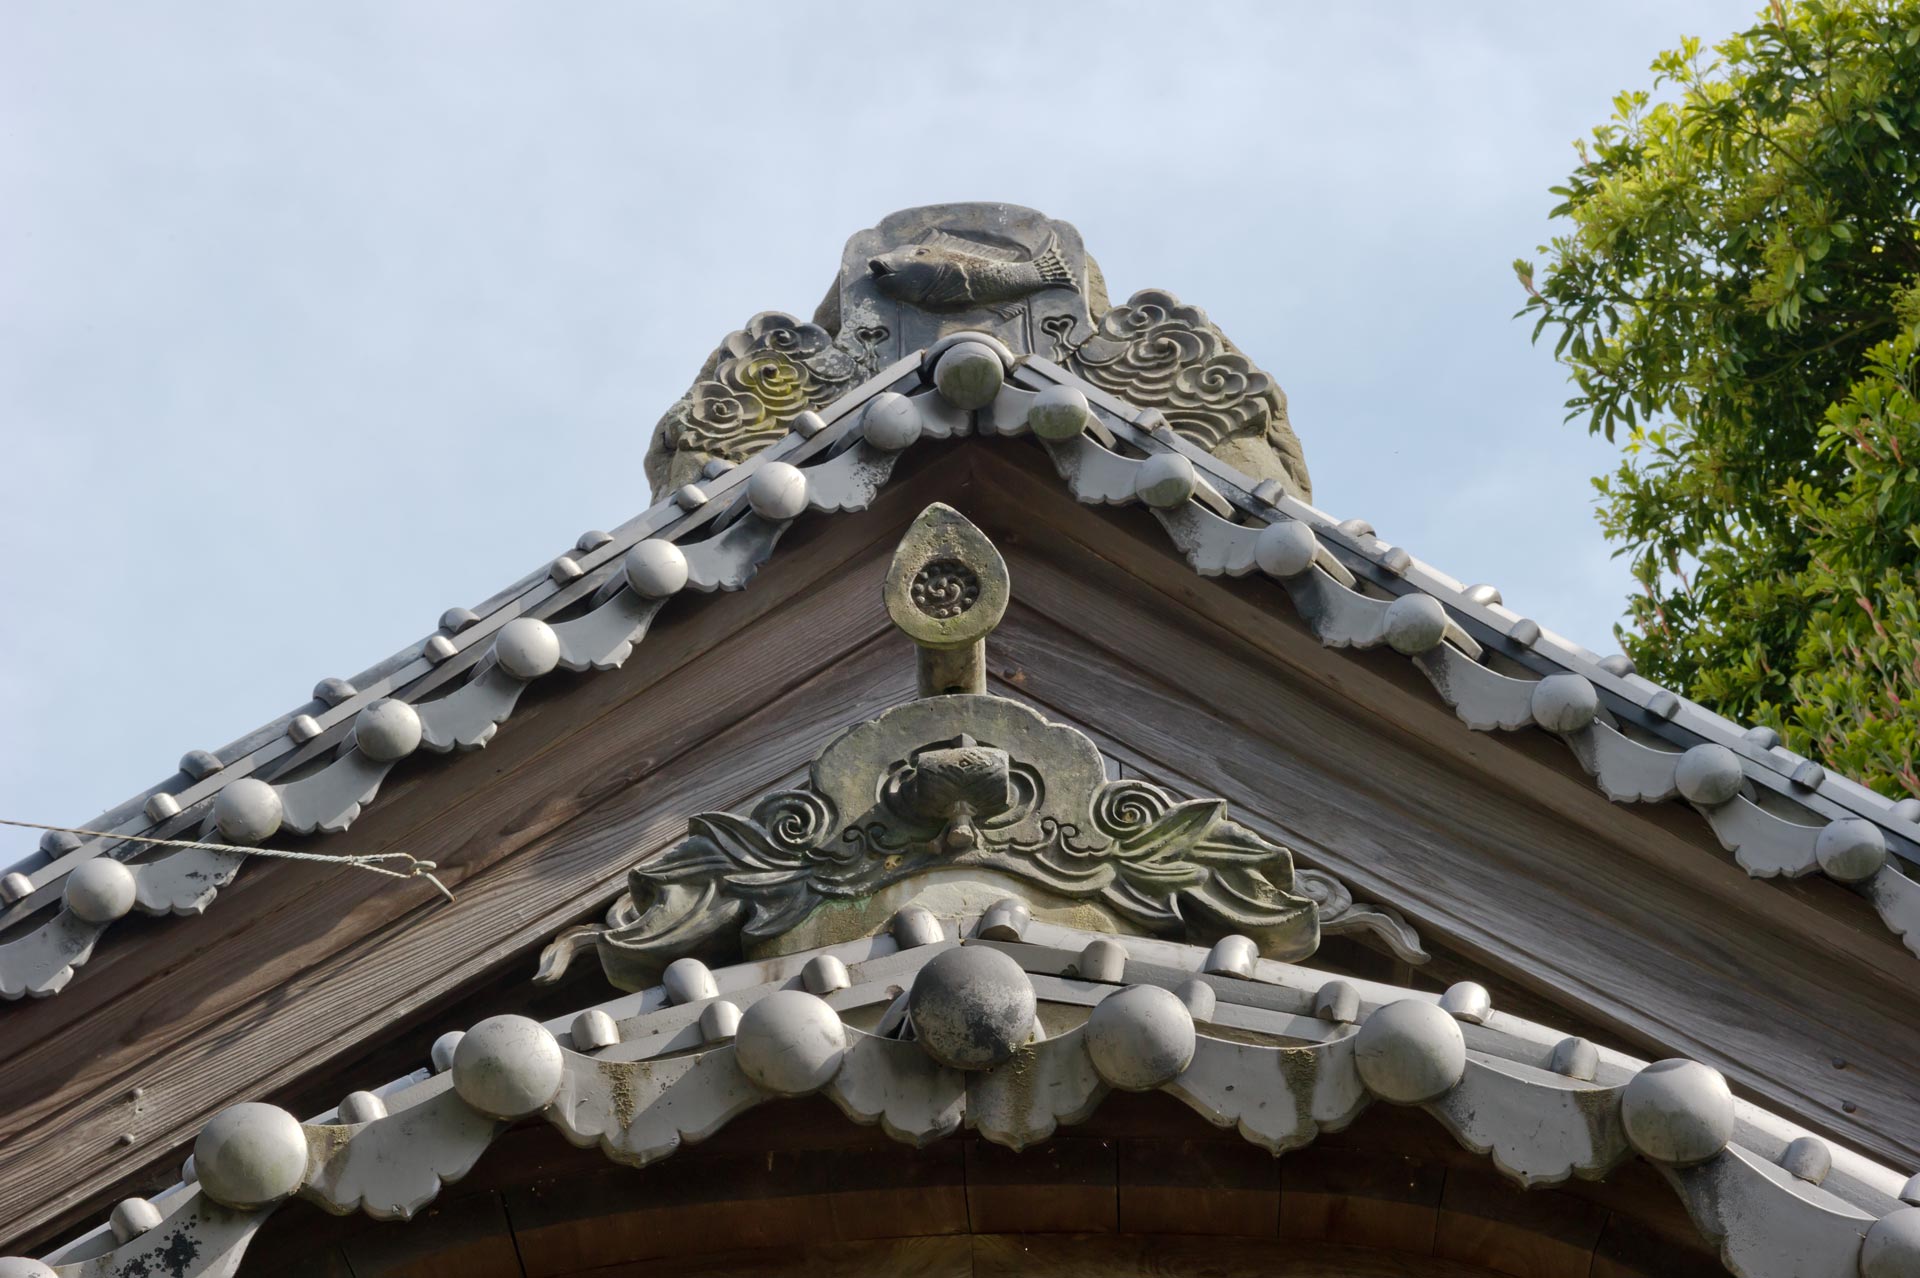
[
  {"x": 1497, "y": 845},
  {"x": 1672, "y": 956},
  {"x": 468, "y": 1237},
  {"x": 532, "y": 833},
  {"x": 253, "y": 1050},
  {"x": 1177, "y": 1257},
  {"x": 1144, "y": 1187}
]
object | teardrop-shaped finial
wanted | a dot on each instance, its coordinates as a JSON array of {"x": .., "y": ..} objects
[{"x": 947, "y": 589}]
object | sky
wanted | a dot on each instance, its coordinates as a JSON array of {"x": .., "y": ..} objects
[{"x": 316, "y": 320}]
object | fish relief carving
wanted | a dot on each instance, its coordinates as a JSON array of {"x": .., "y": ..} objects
[{"x": 947, "y": 272}]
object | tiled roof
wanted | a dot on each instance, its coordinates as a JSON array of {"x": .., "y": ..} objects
[
  {"x": 316, "y": 768},
  {"x": 934, "y": 1025}
]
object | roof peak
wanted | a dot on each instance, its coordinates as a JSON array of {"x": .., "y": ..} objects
[
  {"x": 923, "y": 275},
  {"x": 314, "y": 770}
]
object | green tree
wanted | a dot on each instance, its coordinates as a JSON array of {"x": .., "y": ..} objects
[{"x": 1738, "y": 302}]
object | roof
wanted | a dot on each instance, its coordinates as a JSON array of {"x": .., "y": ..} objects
[
  {"x": 313, "y": 771},
  {"x": 1438, "y": 650},
  {"x": 926, "y": 1028}
]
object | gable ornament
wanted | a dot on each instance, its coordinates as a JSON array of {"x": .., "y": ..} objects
[
  {"x": 958, "y": 783},
  {"x": 924, "y": 274}
]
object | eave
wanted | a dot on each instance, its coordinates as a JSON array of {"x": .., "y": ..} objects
[
  {"x": 541, "y": 855},
  {"x": 1271, "y": 1049},
  {"x": 844, "y": 471}
]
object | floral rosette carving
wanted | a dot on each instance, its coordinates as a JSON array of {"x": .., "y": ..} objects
[
  {"x": 1161, "y": 354},
  {"x": 796, "y": 820},
  {"x": 775, "y": 332},
  {"x": 760, "y": 378},
  {"x": 1125, "y": 809}
]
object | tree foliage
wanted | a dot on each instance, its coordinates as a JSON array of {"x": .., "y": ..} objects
[{"x": 1738, "y": 302}]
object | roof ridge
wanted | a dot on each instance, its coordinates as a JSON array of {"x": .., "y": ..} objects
[{"x": 848, "y": 450}]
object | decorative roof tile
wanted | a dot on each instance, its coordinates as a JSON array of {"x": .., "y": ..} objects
[
  {"x": 1630, "y": 734},
  {"x": 1279, "y": 1052}
]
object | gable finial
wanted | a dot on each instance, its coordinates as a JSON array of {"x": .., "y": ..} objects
[
  {"x": 946, "y": 590},
  {"x": 951, "y": 799}
]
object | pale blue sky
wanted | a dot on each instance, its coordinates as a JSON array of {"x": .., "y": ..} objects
[{"x": 318, "y": 319}]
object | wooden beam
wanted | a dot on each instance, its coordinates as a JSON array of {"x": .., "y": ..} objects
[
  {"x": 789, "y": 1184},
  {"x": 1029, "y": 1256},
  {"x": 534, "y": 832},
  {"x": 1496, "y": 843}
]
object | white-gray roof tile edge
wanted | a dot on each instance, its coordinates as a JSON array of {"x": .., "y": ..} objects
[
  {"x": 1778, "y": 1199},
  {"x": 40, "y": 962}
]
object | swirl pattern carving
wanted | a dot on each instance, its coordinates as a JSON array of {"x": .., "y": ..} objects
[
  {"x": 1157, "y": 352},
  {"x": 761, "y": 377},
  {"x": 870, "y": 818},
  {"x": 945, "y": 588},
  {"x": 1152, "y": 351},
  {"x": 1123, "y": 809},
  {"x": 795, "y": 820}
]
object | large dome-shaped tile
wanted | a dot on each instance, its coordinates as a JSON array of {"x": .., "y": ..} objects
[
  {"x": 790, "y": 1043},
  {"x": 1410, "y": 1052},
  {"x": 972, "y": 1007},
  {"x": 250, "y": 1155},
  {"x": 1140, "y": 1038},
  {"x": 508, "y": 1067}
]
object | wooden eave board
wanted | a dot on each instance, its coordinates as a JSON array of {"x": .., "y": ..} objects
[
  {"x": 1495, "y": 844},
  {"x": 1392, "y": 1195},
  {"x": 304, "y": 965}
]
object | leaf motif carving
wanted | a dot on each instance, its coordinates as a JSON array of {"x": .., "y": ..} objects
[{"x": 1171, "y": 867}]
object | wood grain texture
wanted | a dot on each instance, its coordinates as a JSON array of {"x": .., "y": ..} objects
[
  {"x": 1198, "y": 1187},
  {"x": 1064, "y": 1185},
  {"x": 693, "y": 1205},
  {"x": 1136, "y": 1257},
  {"x": 425, "y": 789},
  {"x": 1363, "y": 1197},
  {"x": 1541, "y": 1234},
  {"x": 299, "y": 1241},
  {"x": 532, "y": 850},
  {"x": 1497, "y": 845},
  {"x": 502, "y": 918},
  {"x": 1631, "y": 1248},
  {"x": 147, "y": 1012},
  {"x": 467, "y": 1237},
  {"x": 939, "y": 1257}
]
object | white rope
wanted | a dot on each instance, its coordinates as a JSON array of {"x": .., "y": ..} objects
[{"x": 416, "y": 868}]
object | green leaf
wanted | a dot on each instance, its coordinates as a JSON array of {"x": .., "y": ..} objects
[{"x": 1737, "y": 284}]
